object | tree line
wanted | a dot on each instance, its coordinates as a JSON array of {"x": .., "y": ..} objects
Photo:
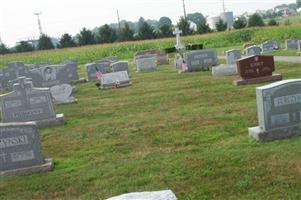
[{"x": 144, "y": 30}]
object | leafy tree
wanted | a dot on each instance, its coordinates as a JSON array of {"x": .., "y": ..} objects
[
  {"x": 127, "y": 33},
  {"x": 3, "y": 49},
  {"x": 86, "y": 37},
  {"x": 298, "y": 3},
  {"x": 203, "y": 28},
  {"x": 66, "y": 41},
  {"x": 239, "y": 23},
  {"x": 255, "y": 20},
  {"x": 24, "y": 46},
  {"x": 45, "y": 42},
  {"x": 165, "y": 30},
  {"x": 146, "y": 32},
  {"x": 107, "y": 34},
  {"x": 272, "y": 22},
  {"x": 141, "y": 21},
  {"x": 196, "y": 18},
  {"x": 184, "y": 25},
  {"x": 221, "y": 26},
  {"x": 165, "y": 21}
]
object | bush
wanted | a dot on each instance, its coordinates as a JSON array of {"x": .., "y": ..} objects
[
  {"x": 239, "y": 23},
  {"x": 255, "y": 20},
  {"x": 45, "y": 43},
  {"x": 24, "y": 46},
  {"x": 221, "y": 26},
  {"x": 66, "y": 41},
  {"x": 272, "y": 22}
]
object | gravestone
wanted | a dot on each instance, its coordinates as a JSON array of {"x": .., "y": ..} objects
[
  {"x": 253, "y": 51},
  {"x": 267, "y": 46},
  {"x": 299, "y": 45},
  {"x": 279, "y": 111},
  {"x": 256, "y": 69},
  {"x": 224, "y": 70},
  {"x": 162, "y": 57},
  {"x": 179, "y": 44},
  {"x": 232, "y": 56},
  {"x": 62, "y": 94},
  {"x": 20, "y": 150},
  {"x": 115, "y": 80},
  {"x": 200, "y": 59},
  {"x": 120, "y": 66},
  {"x": 158, "y": 195},
  {"x": 291, "y": 44},
  {"x": 26, "y": 103},
  {"x": 99, "y": 66},
  {"x": 147, "y": 63}
]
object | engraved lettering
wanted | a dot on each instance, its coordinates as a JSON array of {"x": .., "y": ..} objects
[{"x": 14, "y": 141}]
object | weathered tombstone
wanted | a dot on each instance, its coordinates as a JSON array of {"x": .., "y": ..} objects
[
  {"x": 72, "y": 73},
  {"x": 62, "y": 94},
  {"x": 162, "y": 57},
  {"x": 256, "y": 69},
  {"x": 291, "y": 44},
  {"x": 232, "y": 56},
  {"x": 26, "y": 103},
  {"x": 158, "y": 195},
  {"x": 20, "y": 150},
  {"x": 224, "y": 70},
  {"x": 200, "y": 59},
  {"x": 146, "y": 64},
  {"x": 279, "y": 111},
  {"x": 299, "y": 45},
  {"x": 120, "y": 66},
  {"x": 253, "y": 51},
  {"x": 102, "y": 67},
  {"x": 115, "y": 80}
]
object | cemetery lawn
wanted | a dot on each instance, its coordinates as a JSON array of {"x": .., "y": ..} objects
[{"x": 184, "y": 132}]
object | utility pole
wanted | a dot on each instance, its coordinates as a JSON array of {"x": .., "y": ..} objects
[
  {"x": 39, "y": 22},
  {"x": 224, "y": 6},
  {"x": 118, "y": 21},
  {"x": 184, "y": 9}
]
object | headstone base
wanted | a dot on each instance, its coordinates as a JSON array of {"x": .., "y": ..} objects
[
  {"x": 68, "y": 101},
  {"x": 121, "y": 85},
  {"x": 81, "y": 80},
  {"x": 48, "y": 166},
  {"x": 224, "y": 70},
  {"x": 277, "y": 134},
  {"x": 58, "y": 120},
  {"x": 274, "y": 77}
]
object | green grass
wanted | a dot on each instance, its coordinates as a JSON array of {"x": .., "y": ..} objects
[{"x": 186, "y": 132}]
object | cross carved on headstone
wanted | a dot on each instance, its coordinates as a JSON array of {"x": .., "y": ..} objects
[{"x": 179, "y": 44}]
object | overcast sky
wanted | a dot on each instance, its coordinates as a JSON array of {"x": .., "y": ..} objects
[{"x": 17, "y": 20}]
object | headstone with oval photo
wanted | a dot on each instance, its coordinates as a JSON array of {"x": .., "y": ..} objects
[
  {"x": 26, "y": 103},
  {"x": 256, "y": 69},
  {"x": 115, "y": 80},
  {"x": 20, "y": 150},
  {"x": 62, "y": 94},
  {"x": 279, "y": 111}
]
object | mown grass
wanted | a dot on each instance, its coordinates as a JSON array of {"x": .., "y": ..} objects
[{"x": 185, "y": 132}]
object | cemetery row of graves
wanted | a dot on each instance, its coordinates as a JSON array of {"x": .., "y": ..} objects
[{"x": 32, "y": 92}]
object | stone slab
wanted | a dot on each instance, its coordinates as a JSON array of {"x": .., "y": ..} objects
[
  {"x": 48, "y": 166},
  {"x": 58, "y": 120},
  {"x": 224, "y": 70},
  {"x": 274, "y": 77},
  {"x": 277, "y": 134},
  {"x": 157, "y": 195}
]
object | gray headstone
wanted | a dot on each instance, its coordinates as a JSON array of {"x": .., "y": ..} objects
[
  {"x": 158, "y": 195},
  {"x": 19, "y": 146},
  {"x": 146, "y": 64},
  {"x": 26, "y": 103},
  {"x": 232, "y": 56},
  {"x": 115, "y": 80},
  {"x": 224, "y": 70},
  {"x": 279, "y": 110},
  {"x": 299, "y": 45},
  {"x": 62, "y": 94},
  {"x": 267, "y": 46},
  {"x": 253, "y": 51},
  {"x": 200, "y": 59},
  {"x": 291, "y": 44},
  {"x": 161, "y": 56},
  {"x": 120, "y": 66},
  {"x": 92, "y": 68}
]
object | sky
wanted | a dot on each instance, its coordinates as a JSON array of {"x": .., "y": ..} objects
[{"x": 17, "y": 19}]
